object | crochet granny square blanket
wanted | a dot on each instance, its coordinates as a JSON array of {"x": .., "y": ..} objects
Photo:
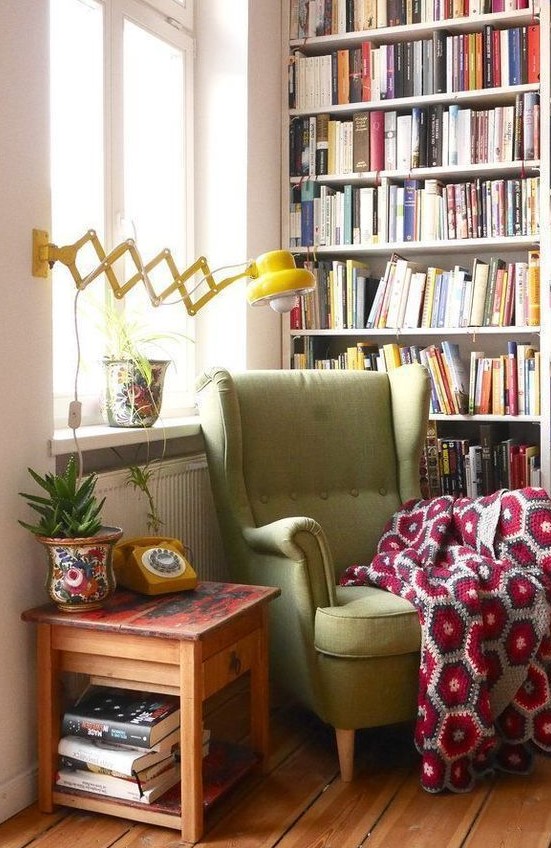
[{"x": 478, "y": 571}]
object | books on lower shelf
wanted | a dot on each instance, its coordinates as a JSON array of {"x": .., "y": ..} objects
[
  {"x": 112, "y": 744},
  {"x": 475, "y": 467},
  {"x": 114, "y": 757},
  {"x": 493, "y": 293},
  {"x": 508, "y": 384},
  {"x": 124, "y": 788}
]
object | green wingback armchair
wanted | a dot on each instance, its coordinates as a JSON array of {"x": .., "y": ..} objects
[{"x": 306, "y": 467}]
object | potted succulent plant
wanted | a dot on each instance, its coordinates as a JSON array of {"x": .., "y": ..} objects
[{"x": 80, "y": 549}]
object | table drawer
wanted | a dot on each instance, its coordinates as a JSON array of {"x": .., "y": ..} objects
[{"x": 227, "y": 665}]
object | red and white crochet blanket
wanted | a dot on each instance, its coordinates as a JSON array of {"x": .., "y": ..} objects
[{"x": 479, "y": 574}]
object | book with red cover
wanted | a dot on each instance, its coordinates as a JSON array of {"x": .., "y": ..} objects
[
  {"x": 511, "y": 380},
  {"x": 366, "y": 71},
  {"x": 533, "y": 43},
  {"x": 377, "y": 140}
]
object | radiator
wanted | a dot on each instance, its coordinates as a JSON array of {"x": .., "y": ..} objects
[{"x": 182, "y": 492}]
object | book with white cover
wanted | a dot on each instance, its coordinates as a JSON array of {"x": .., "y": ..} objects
[
  {"x": 116, "y": 787},
  {"x": 124, "y": 759}
]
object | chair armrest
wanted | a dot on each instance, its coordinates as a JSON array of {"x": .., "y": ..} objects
[{"x": 299, "y": 540}]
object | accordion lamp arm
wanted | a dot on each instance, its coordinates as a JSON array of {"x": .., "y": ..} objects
[{"x": 275, "y": 279}]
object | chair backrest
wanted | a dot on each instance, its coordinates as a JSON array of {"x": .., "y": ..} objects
[{"x": 341, "y": 447}]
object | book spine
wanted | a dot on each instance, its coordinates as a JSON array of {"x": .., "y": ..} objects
[
  {"x": 533, "y": 289},
  {"x": 411, "y": 188},
  {"x": 511, "y": 379},
  {"x": 377, "y": 140},
  {"x": 122, "y": 732}
]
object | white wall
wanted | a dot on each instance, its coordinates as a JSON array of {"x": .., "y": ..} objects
[
  {"x": 238, "y": 217},
  {"x": 26, "y": 373}
]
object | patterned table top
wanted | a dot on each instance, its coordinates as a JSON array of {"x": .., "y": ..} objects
[{"x": 181, "y": 615}]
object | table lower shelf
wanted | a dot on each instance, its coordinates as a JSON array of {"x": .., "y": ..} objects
[{"x": 223, "y": 768}]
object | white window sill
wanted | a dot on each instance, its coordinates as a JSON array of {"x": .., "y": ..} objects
[{"x": 101, "y": 436}]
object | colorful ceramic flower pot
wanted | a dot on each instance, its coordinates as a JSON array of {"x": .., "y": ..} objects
[
  {"x": 80, "y": 571},
  {"x": 130, "y": 400}
]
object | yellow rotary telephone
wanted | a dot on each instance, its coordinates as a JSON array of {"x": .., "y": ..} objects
[{"x": 152, "y": 565}]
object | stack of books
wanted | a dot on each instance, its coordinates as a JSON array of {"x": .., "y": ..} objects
[{"x": 121, "y": 743}]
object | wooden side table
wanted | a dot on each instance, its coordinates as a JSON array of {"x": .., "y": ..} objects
[{"x": 190, "y": 644}]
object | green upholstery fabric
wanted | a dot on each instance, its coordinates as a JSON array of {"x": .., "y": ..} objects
[
  {"x": 367, "y": 623},
  {"x": 306, "y": 468}
]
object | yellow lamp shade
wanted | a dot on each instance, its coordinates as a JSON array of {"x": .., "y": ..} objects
[{"x": 277, "y": 280}]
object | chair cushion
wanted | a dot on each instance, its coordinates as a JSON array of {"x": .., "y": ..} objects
[{"x": 368, "y": 622}]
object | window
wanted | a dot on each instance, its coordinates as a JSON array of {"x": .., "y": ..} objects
[{"x": 121, "y": 164}]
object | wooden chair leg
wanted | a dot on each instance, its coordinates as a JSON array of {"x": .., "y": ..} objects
[{"x": 345, "y": 749}]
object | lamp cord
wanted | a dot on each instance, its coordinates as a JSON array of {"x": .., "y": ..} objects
[{"x": 75, "y": 390}]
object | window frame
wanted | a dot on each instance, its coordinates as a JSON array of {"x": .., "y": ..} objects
[{"x": 173, "y": 23}]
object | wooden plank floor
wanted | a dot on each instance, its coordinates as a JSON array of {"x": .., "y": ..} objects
[{"x": 300, "y": 801}]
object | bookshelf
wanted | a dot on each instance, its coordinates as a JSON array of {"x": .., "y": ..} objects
[{"x": 476, "y": 161}]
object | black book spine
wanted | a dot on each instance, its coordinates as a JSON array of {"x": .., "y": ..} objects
[
  {"x": 408, "y": 69},
  {"x": 422, "y": 138},
  {"x": 399, "y": 69},
  {"x": 523, "y": 55},
  {"x": 109, "y": 731},
  {"x": 487, "y": 455},
  {"x": 439, "y": 38},
  {"x": 355, "y": 65},
  {"x": 435, "y": 135},
  {"x": 350, "y": 16},
  {"x": 292, "y": 147}
]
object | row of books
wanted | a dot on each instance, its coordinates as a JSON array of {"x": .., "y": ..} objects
[
  {"x": 412, "y": 211},
  {"x": 442, "y": 64},
  {"x": 311, "y": 18},
  {"x": 121, "y": 743},
  {"x": 410, "y": 296},
  {"x": 435, "y": 136},
  {"x": 471, "y": 468},
  {"x": 508, "y": 384}
]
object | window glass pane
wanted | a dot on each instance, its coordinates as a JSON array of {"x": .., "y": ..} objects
[
  {"x": 155, "y": 189},
  {"x": 77, "y": 178},
  {"x": 122, "y": 177}
]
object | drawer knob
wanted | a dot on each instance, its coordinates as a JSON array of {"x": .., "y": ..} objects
[{"x": 235, "y": 663}]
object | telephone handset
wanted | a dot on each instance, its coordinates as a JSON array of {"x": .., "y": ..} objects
[{"x": 152, "y": 565}]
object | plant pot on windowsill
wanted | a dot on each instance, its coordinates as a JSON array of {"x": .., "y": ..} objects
[
  {"x": 133, "y": 391},
  {"x": 80, "y": 549}
]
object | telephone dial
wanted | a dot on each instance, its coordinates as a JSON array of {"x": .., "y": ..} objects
[{"x": 152, "y": 565}]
